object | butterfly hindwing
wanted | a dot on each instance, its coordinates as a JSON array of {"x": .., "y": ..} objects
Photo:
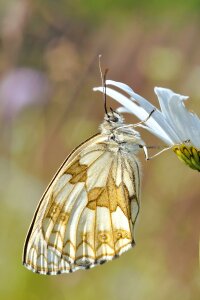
[{"x": 87, "y": 215}]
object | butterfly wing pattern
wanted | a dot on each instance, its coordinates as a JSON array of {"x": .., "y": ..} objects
[{"x": 87, "y": 215}]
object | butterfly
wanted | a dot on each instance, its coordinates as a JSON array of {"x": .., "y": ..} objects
[{"x": 88, "y": 212}]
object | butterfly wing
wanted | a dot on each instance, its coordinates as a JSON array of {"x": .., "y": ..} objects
[{"x": 88, "y": 212}]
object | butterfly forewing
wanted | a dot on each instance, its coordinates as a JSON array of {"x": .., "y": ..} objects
[{"x": 88, "y": 212}]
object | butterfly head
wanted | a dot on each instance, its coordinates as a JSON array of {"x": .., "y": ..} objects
[
  {"x": 114, "y": 118},
  {"x": 114, "y": 125}
]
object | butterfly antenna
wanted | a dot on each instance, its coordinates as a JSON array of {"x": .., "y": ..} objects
[
  {"x": 112, "y": 110},
  {"x": 103, "y": 80}
]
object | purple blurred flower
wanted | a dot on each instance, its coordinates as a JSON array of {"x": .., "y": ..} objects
[{"x": 20, "y": 88}]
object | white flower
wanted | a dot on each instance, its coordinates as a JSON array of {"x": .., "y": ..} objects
[{"x": 173, "y": 124}]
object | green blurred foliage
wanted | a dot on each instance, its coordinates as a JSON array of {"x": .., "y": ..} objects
[
  {"x": 144, "y": 44},
  {"x": 95, "y": 10}
]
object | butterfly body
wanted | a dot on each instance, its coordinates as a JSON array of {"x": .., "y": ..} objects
[{"x": 88, "y": 212}]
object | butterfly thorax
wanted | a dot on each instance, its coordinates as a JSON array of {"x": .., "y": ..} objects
[{"x": 120, "y": 134}]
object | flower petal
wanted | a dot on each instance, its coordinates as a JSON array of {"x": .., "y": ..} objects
[
  {"x": 187, "y": 125},
  {"x": 174, "y": 124},
  {"x": 158, "y": 123},
  {"x": 124, "y": 87},
  {"x": 123, "y": 100},
  {"x": 139, "y": 112}
]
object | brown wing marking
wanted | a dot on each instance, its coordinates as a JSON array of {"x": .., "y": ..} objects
[{"x": 86, "y": 226}]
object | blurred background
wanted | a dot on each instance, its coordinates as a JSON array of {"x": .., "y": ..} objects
[{"x": 48, "y": 67}]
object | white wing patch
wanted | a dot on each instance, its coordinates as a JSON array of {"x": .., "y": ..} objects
[{"x": 87, "y": 215}]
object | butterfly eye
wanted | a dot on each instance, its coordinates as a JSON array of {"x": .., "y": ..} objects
[{"x": 115, "y": 119}]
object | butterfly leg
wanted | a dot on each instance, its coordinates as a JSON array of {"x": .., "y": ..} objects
[
  {"x": 145, "y": 120},
  {"x": 147, "y": 157}
]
